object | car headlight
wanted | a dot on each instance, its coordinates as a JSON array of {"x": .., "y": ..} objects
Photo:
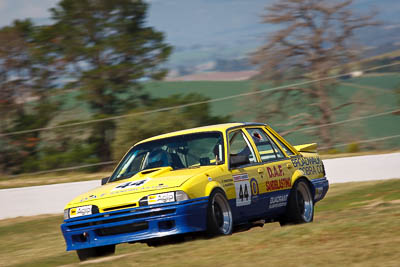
[
  {"x": 80, "y": 211},
  {"x": 163, "y": 198},
  {"x": 66, "y": 214}
]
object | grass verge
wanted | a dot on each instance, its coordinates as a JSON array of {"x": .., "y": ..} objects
[
  {"x": 354, "y": 225},
  {"x": 50, "y": 178}
]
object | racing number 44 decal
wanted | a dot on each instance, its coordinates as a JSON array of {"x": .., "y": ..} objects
[
  {"x": 131, "y": 184},
  {"x": 243, "y": 189}
]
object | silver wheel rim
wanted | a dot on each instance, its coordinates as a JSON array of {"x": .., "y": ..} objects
[
  {"x": 304, "y": 202},
  {"x": 222, "y": 214}
]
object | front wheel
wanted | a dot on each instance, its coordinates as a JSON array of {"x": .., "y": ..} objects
[
  {"x": 300, "y": 207},
  {"x": 86, "y": 253},
  {"x": 219, "y": 215}
]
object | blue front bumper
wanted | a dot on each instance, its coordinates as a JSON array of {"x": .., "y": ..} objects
[{"x": 130, "y": 225}]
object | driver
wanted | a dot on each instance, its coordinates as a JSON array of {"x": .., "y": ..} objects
[{"x": 157, "y": 158}]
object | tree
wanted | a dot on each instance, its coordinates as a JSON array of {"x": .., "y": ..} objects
[
  {"x": 398, "y": 101},
  {"x": 24, "y": 76},
  {"x": 314, "y": 39},
  {"x": 107, "y": 50},
  {"x": 26, "y": 65},
  {"x": 15, "y": 67},
  {"x": 136, "y": 128}
]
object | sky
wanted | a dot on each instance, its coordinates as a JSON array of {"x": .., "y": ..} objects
[
  {"x": 20, "y": 9},
  {"x": 36, "y": 9},
  {"x": 223, "y": 28},
  {"x": 185, "y": 22},
  {"x": 191, "y": 22}
]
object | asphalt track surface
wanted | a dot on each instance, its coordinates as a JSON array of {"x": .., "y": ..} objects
[{"x": 51, "y": 199}]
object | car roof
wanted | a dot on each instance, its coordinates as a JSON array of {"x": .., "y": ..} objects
[{"x": 210, "y": 128}]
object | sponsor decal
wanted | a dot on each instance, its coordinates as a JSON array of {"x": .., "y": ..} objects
[
  {"x": 228, "y": 182},
  {"x": 305, "y": 161},
  {"x": 309, "y": 165},
  {"x": 241, "y": 177},
  {"x": 80, "y": 211},
  {"x": 278, "y": 201},
  {"x": 139, "y": 189},
  {"x": 312, "y": 170},
  {"x": 162, "y": 198},
  {"x": 318, "y": 193},
  {"x": 283, "y": 183},
  {"x": 243, "y": 189},
  {"x": 275, "y": 171},
  {"x": 254, "y": 190},
  {"x": 131, "y": 184},
  {"x": 254, "y": 187}
]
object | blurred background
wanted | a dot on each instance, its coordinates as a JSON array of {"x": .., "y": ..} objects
[{"x": 82, "y": 81}]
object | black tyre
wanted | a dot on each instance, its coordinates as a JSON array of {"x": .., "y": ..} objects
[
  {"x": 84, "y": 254},
  {"x": 300, "y": 208},
  {"x": 219, "y": 215}
]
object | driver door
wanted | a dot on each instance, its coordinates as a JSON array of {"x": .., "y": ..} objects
[{"x": 246, "y": 170}]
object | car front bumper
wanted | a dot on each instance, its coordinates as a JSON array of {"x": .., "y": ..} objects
[{"x": 137, "y": 224}]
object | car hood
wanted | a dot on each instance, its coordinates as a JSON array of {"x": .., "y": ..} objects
[{"x": 148, "y": 180}]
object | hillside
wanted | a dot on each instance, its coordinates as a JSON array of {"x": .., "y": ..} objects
[{"x": 377, "y": 90}]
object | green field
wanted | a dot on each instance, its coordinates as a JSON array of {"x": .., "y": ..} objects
[
  {"x": 355, "y": 225},
  {"x": 385, "y": 86}
]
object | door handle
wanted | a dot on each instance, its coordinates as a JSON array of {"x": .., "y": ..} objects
[
  {"x": 260, "y": 170},
  {"x": 289, "y": 166}
]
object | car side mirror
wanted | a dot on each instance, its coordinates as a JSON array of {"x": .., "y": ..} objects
[
  {"x": 104, "y": 180},
  {"x": 238, "y": 160}
]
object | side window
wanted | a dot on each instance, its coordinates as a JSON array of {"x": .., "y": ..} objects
[
  {"x": 284, "y": 147},
  {"x": 240, "y": 151},
  {"x": 268, "y": 150}
]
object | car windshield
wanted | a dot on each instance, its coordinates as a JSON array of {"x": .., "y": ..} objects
[{"x": 178, "y": 152}]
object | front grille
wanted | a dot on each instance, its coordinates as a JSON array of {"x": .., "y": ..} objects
[
  {"x": 120, "y": 207},
  {"x": 122, "y": 229},
  {"x": 125, "y": 218}
]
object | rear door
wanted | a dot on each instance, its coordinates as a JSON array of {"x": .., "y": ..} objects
[{"x": 275, "y": 185}]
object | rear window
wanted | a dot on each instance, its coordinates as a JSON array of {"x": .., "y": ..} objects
[{"x": 267, "y": 149}]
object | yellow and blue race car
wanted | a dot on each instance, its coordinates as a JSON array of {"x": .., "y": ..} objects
[{"x": 208, "y": 179}]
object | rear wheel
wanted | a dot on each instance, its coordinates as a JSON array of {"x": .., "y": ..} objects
[
  {"x": 84, "y": 254},
  {"x": 300, "y": 207},
  {"x": 219, "y": 215}
]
